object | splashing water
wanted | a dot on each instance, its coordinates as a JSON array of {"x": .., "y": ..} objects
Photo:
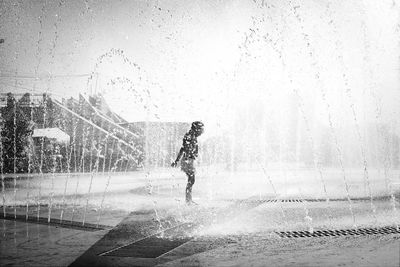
[
  {"x": 348, "y": 91},
  {"x": 323, "y": 94},
  {"x": 266, "y": 133}
]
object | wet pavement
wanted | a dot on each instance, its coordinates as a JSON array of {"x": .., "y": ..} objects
[
  {"x": 142, "y": 224},
  {"x": 29, "y": 244},
  {"x": 151, "y": 238}
]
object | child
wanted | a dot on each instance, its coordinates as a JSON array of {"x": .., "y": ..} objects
[{"x": 189, "y": 152}]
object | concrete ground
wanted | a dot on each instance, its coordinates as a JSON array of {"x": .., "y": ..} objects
[
  {"x": 29, "y": 244},
  {"x": 144, "y": 222},
  {"x": 142, "y": 240}
]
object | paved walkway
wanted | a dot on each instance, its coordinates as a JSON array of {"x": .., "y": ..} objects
[
  {"x": 234, "y": 233},
  {"x": 227, "y": 229},
  {"x": 29, "y": 244}
]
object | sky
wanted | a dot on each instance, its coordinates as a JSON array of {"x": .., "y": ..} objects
[{"x": 209, "y": 60}]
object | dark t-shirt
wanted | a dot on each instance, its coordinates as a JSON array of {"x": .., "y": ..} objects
[{"x": 190, "y": 146}]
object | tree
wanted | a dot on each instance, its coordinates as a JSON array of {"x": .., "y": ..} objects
[{"x": 15, "y": 133}]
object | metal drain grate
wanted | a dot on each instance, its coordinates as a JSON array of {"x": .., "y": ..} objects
[
  {"x": 269, "y": 201},
  {"x": 56, "y": 222},
  {"x": 255, "y": 201},
  {"x": 346, "y": 232},
  {"x": 262, "y": 201},
  {"x": 336, "y": 199},
  {"x": 291, "y": 200}
]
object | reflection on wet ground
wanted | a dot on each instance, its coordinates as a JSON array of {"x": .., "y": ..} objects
[{"x": 149, "y": 224}]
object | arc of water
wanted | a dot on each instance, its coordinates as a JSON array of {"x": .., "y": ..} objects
[
  {"x": 15, "y": 156},
  {"x": 95, "y": 170},
  {"x": 103, "y": 173},
  {"x": 69, "y": 157},
  {"x": 41, "y": 158},
  {"x": 30, "y": 149},
  {"x": 316, "y": 165},
  {"x": 385, "y": 161},
  {"x": 393, "y": 201},
  {"x": 348, "y": 90},
  {"x": 308, "y": 218},
  {"x": 111, "y": 156},
  {"x": 75, "y": 149},
  {"x": 378, "y": 116},
  {"x": 16, "y": 57},
  {"x": 273, "y": 188},
  {"x": 40, "y": 38},
  {"x": 280, "y": 54},
  {"x": 120, "y": 53},
  {"x": 143, "y": 96},
  {"x": 81, "y": 170},
  {"x": 301, "y": 195},
  {"x": 109, "y": 54},
  {"x": 52, "y": 55},
  {"x": 65, "y": 184},
  {"x": 122, "y": 161},
  {"x": 125, "y": 157},
  {"x": 92, "y": 139},
  {"x": 158, "y": 219},
  {"x": 110, "y": 172},
  {"x": 316, "y": 66},
  {"x": 127, "y": 164},
  {"x": 53, "y": 174},
  {"x": 84, "y": 144},
  {"x": 2, "y": 167},
  {"x": 105, "y": 153},
  {"x": 62, "y": 171}
]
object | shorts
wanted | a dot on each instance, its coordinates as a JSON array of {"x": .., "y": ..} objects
[{"x": 187, "y": 165}]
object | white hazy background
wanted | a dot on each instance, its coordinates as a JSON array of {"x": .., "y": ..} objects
[{"x": 211, "y": 60}]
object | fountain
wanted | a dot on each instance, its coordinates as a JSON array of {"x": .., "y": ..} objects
[{"x": 294, "y": 135}]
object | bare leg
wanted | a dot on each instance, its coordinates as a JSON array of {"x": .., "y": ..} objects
[{"x": 189, "y": 186}]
